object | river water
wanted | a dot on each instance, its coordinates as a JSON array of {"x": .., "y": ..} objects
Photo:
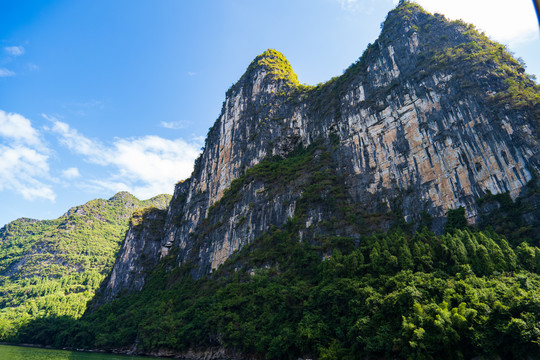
[{"x": 8, "y": 352}]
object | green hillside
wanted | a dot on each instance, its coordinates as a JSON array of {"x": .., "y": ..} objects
[
  {"x": 404, "y": 296},
  {"x": 53, "y": 267},
  {"x": 322, "y": 249},
  {"x": 401, "y": 294}
]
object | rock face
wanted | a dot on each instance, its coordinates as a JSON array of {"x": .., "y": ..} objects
[
  {"x": 143, "y": 237},
  {"x": 424, "y": 121}
]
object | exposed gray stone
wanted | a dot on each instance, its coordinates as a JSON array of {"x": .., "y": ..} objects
[{"x": 400, "y": 133}]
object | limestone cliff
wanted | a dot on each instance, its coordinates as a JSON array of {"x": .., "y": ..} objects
[
  {"x": 428, "y": 119},
  {"x": 135, "y": 259}
]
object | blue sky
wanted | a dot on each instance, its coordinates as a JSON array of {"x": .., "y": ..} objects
[{"x": 98, "y": 96}]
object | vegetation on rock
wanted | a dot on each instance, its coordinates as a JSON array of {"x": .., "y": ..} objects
[
  {"x": 53, "y": 267},
  {"x": 276, "y": 64},
  {"x": 414, "y": 295},
  {"x": 335, "y": 281}
]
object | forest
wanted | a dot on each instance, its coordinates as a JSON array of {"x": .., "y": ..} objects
[
  {"x": 419, "y": 296},
  {"x": 53, "y": 267},
  {"x": 361, "y": 280},
  {"x": 403, "y": 293}
]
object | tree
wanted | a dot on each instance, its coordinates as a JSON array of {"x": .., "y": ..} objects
[{"x": 456, "y": 219}]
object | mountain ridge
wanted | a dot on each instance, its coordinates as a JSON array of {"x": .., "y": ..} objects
[
  {"x": 304, "y": 230},
  {"x": 53, "y": 267},
  {"x": 401, "y": 133}
]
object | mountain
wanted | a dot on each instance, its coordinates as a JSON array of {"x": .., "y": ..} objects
[
  {"x": 432, "y": 117},
  {"x": 391, "y": 212},
  {"x": 53, "y": 267}
]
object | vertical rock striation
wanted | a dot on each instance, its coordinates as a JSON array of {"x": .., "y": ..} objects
[
  {"x": 137, "y": 257},
  {"x": 426, "y": 120}
]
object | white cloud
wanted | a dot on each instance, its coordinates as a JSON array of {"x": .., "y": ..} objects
[
  {"x": 18, "y": 128},
  {"x": 5, "y": 72},
  {"x": 191, "y": 73},
  {"x": 14, "y": 50},
  {"x": 145, "y": 166},
  {"x": 23, "y": 158},
  {"x": 175, "y": 125},
  {"x": 509, "y": 23},
  {"x": 71, "y": 173},
  {"x": 77, "y": 142},
  {"x": 156, "y": 163}
]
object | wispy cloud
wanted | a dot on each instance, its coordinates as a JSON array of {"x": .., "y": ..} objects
[
  {"x": 14, "y": 50},
  {"x": 175, "y": 125},
  {"x": 83, "y": 108},
  {"x": 5, "y": 72},
  {"x": 506, "y": 23},
  {"x": 71, "y": 173},
  {"x": 23, "y": 158},
  {"x": 32, "y": 67},
  {"x": 75, "y": 141},
  {"x": 145, "y": 166},
  {"x": 191, "y": 73}
]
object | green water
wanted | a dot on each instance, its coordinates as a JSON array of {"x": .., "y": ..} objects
[{"x": 8, "y": 352}]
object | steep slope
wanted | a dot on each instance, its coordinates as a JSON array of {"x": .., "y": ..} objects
[
  {"x": 132, "y": 265},
  {"x": 53, "y": 267},
  {"x": 433, "y": 116},
  {"x": 303, "y": 230},
  {"x": 462, "y": 295}
]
